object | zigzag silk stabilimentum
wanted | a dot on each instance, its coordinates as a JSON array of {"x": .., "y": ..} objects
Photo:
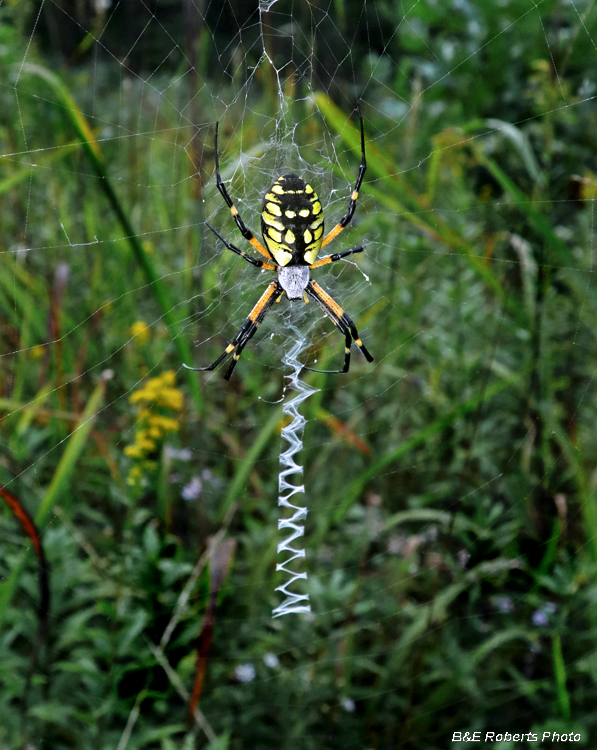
[{"x": 293, "y": 433}]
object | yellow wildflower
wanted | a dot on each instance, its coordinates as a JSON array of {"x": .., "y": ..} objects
[
  {"x": 164, "y": 424},
  {"x": 170, "y": 398},
  {"x": 141, "y": 332},
  {"x": 135, "y": 475},
  {"x": 155, "y": 395}
]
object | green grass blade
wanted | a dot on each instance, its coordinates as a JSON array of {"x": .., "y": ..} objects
[
  {"x": 93, "y": 153},
  {"x": 498, "y": 640},
  {"x": 588, "y": 503},
  {"x": 74, "y": 447},
  {"x": 395, "y": 191},
  {"x": 245, "y": 466},
  {"x": 21, "y": 174},
  {"x": 541, "y": 224},
  {"x": 559, "y": 668},
  {"x": 429, "y": 515},
  {"x": 517, "y": 138},
  {"x": 357, "y": 485}
]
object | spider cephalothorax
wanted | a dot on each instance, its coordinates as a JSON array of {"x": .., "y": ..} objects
[{"x": 292, "y": 228}]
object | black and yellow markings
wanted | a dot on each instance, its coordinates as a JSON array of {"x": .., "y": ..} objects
[
  {"x": 259, "y": 247},
  {"x": 317, "y": 227},
  {"x": 254, "y": 315},
  {"x": 247, "y": 234},
  {"x": 337, "y": 256},
  {"x": 322, "y": 262},
  {"x": 273, "y": 208},
  {"x": 289, "y": 205},
  {"x": 329, "y": 301},
  {"x": 341, "y": 320},
  {"x": 271, "y": 222},
  {"x": 312, "y": 235},
  {"x": 334, "y": 233},
  {"x": 292, "y": 224},
  {"x": 238, "y": 251}
]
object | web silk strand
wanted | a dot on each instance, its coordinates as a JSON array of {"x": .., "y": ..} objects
[{"x": 287, "y": 491}]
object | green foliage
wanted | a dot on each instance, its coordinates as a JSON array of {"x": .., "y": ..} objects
[{"x": 452, "y": 552}]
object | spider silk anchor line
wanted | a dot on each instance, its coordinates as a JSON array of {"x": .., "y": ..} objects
[{"x": 293, "y": 433}]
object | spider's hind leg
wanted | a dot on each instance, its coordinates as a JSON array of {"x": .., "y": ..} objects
[
  {"x": 246, "y": 331},
  {"x": 342, "y": 321}
]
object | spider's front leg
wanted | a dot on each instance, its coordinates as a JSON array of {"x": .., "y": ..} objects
[
  {"x": 346, "y": 219},
  {"x": 246, "y": 331},
  {"x": 244, "y": 230},
  {"x": 248, "y": 258}
]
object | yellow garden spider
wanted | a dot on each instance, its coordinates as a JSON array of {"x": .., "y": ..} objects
[{"x": 292, "y": 228}]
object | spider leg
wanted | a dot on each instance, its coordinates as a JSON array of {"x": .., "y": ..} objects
[
  {"x": 246, "y": 331},
  {"x": 342, "y": 321},
  {"x": 335, "y": 256},
  {"x": 230, "y": 246},
  {"x": 355, "y": 193},
  {"x": 246, "y": 233}
]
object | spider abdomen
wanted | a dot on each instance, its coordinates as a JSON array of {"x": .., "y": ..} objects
[{"x": 292, "y": 222}]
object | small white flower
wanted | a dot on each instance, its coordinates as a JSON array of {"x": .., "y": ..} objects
[
  {"x": 463, "y": 557},
  {"x": 192, "y": 490},
  {"x": 207, "y": 476},
  {"x": 504, "y": 604},
  {"x": 182, "y": 454},
  {"x": 245, "y": 672},
  {"x": 396, "y": 544},
  {"x": 271, "y": 660},
  {"x": 348, "y": 704},
  {"x": 540, "y": 618}
]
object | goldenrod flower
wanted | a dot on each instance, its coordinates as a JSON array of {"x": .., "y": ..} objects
[
  {"x": 153, "y": 396},
  {"x": 141, "y": 332}
]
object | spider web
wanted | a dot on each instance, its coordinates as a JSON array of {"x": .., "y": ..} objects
[{"x": 414, "y": 465}]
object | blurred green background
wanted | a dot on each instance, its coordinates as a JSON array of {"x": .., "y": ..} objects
[{"x": 451, "y": 536}]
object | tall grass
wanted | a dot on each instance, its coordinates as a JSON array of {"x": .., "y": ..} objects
[{"x": 451, "y": 534}]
